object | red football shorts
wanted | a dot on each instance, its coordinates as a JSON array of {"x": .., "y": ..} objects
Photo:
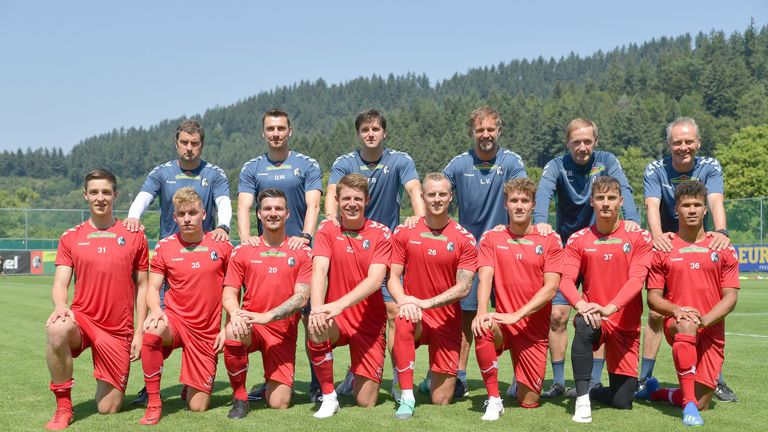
[
  {"x": 622, "y": 349},
  {"x": 111, "y": 353},
  {"x": 529, "y": 356},
  {"x": 444, "y": 342},
  {"x": 366, "y": 350},
  {"x": 278, "y": 350},
  {"x": 198, "y": 360}
]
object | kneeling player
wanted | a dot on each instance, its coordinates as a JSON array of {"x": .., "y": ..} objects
[
  {"x": 276, "y": 280},
  {"x": 193, "y": 264},
  {"x": 694, "y": 287},
  {"x": 525, "y": 268},
  {"x": 349, "y": 310},
  {"x": 110, "y": 268},
  {"x": 439, "y": 259},
  {"x": 613, "y": 264}
]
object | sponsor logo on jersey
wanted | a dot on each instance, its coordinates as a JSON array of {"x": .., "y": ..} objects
[
  {"x": 502, "y": 247},
  {"x": 373, "y": 167},
  {"x": 273, "y": 253},
  {"x": 627, "y": 248},
  {"x": 469, "y": 175},
  {"x": 352, "y": 235},
  {"x": 432, "y": 236},
  {"x": 204, "y": 182},
  {"x": 683, "y": 179},
  {"x": 291, "y": 261},
  {"x": 676, "y": 259},
  {"x": 262, "y": 174},
  {"x": 170, "y": 182},
  {"x": 520, "y": 241},
  {"x": 101, "y": 234},
  {"x": 121, "y": 241},
  {"x": 694, "y": 249},
  {"x": 366, "y": 244},
  {"x": 539, "y": 250},
  {"x": 214, "y": 256},
  {"x": 280, "y": 167},
  {"x": 177, "y": 259},
  {"x": 596, "y": 170},
  {"x": 83, "y": 243},
  {"x": 590, "y": 249},
  {"x": 416, "y": 242},
  {"x": 608, "y": 240},
  {"x": 714, "y": 257},
  {"x": 450, "y": 246},
  {"x": 197, "y": 248},
  {"x": 486, "y": 166},
  {"x": 187, "y": 176},
  {"x": 255, "y": 261}
]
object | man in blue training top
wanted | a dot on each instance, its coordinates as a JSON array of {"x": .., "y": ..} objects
[
  {"x": 570, "y": 177},
  {"x": 209, "y": 181},
  {"x": 478, "y": 177},
  {"x": 300, "y": 178},
  {"x": 659, "y": 181},
  {"x": 388, "y": 172}
]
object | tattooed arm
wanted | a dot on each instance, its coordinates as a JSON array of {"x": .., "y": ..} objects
[
  {"x": 293, "y": 304},
  {"x": 452, "y": 294}
]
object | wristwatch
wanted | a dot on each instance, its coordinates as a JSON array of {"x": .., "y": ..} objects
[
  {"x": 307, "y": 236},
  {"x": 723, "y": 232},
  {"x": 224, "y": 227}
]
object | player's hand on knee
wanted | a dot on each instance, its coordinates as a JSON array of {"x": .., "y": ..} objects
[
  {"x": 239, "y": 326},
  {"x": 410, "y": 312},
  {"x": 60, "y": 314},
  {"x": 593, "y": 319},
  {"x": 253, "y": 317},
  {"x": 504, "y": 318},
  {"x": 153, "y": 320},
  {"x": 481, "y": 323}
]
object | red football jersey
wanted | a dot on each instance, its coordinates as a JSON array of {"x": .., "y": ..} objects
[
  {"x": 351, "y": 253},
  {"x": 606, "y": 262},
  {"x": 195, "y": 275},
  {"x": 519, "y": 264},
  {"x": 694, "y": 275},
  {"x": 103, "y": 262},
  {"x": 431, "y": 259},
  {"x": 270, "y": 275}
]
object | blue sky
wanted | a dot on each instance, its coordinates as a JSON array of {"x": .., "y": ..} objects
[{"x": 73, "y": 69}]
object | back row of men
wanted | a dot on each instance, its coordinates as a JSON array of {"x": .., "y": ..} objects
[{"x": 477, "y": 177}]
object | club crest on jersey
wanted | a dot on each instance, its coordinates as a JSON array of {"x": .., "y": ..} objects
[
  {"x": 204, "y": 182},
  {"x": 499, "y": 170},
  {"x": 714, "y": 257},
  {"x": 366, "y": 244},
  {"x": 291, "y": 261},
  {"x": 386, "y": 169},
  {"x": 214, "y": 256},
  {"x": 627, "y": 248},
  {"x": 297, "y": 172},
  {"x": 539, "y": 250},
  {"x": 450, "y": 247},
  {"x": 121, "y": 241}
]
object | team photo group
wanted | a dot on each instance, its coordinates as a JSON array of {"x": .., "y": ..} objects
[{"x": 497, "y": 278}]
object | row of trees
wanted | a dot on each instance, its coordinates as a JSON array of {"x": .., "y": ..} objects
[{"x": 631, "y": 92}]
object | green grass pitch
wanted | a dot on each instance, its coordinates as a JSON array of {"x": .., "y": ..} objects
[{"x": 27, "y": 403}]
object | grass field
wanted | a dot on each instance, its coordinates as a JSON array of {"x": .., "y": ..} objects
[{"x": 26, "y": 403}]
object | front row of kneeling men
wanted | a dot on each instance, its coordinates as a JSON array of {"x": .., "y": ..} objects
[{"x": 428, "y": 266}]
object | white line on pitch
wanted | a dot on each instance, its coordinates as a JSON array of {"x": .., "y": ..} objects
[{"x": 745, "y": 334}]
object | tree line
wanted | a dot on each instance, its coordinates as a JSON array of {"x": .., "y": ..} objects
[{"x": 631, "y": 92}]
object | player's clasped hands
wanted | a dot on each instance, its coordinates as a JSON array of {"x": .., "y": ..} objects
[
  {"x": 688, "y": 313},
  {"x": 240, "y": 328},
  {"x": 253, "y": 317},
  {"x": 410, "y": 309}
]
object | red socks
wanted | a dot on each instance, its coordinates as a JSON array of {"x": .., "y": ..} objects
[
  {"x": 684, "y": 354},
  {"x": 404, "y": 352},
  {"x": 236, "y": 362},
  {"x": 487, "y": 360},
  {"x": 63, "y": 393},
  {"x": 152, "y": 364},
  {"x": 321, "y": 356}
]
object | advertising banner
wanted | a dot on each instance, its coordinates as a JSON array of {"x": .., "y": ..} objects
[{"x": 752, "y": 258}]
